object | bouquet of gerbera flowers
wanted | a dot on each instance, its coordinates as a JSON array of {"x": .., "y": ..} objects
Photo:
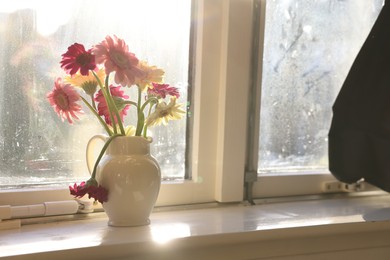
[{"x": 91, "y": 73}]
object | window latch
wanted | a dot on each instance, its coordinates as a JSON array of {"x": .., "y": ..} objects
[{"x": 336, "y": 186}]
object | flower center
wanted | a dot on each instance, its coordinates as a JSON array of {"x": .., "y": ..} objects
[
  {"x": 119, "y": 59},
  {"x": 84, "y": 59},
  {"x": 164, "y": 113},
  {"x": 90, "y": 87},
  {"x": 62, "y": 101}
]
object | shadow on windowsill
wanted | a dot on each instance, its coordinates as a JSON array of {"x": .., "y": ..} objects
[{"x": 377, "y": 215}]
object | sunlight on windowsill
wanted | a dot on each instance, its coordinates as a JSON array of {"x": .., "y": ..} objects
[{"x": 191, "y": 228}]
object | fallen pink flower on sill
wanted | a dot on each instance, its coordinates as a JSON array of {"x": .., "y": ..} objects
[
  {"x": 99, "y": 193},
  {"x": 78, "y": 190}
]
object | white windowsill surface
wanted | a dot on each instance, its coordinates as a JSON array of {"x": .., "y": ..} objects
[{"x": 269, "y": 229}]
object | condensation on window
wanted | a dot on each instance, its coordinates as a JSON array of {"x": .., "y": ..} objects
[
  {"x": 36, "y": 147},
  {"x": 309, "y": 48}
]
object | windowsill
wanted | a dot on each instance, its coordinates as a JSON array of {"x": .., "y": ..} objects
[{"x": 264, "y": 230}]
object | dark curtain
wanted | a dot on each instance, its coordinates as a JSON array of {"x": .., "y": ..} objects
[{"x": 359, "y": 137}]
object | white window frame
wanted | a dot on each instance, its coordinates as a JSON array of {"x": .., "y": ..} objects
[
  {"x": 222, "y": 65},
  {"x": 222, "y": 86},
  {"x": 281, "y": 184}
]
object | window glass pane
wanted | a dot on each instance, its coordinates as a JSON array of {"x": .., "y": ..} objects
[
  {"x": 309, "y": 48},
  {"x": 36, "y": 147}
]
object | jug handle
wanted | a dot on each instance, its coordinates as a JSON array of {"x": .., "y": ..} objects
[{"x": 89, "y": 151}]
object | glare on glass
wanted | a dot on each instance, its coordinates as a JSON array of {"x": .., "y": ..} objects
[
  {"x": 309, "y": 47},
  {"x": 36, "y": 147}
]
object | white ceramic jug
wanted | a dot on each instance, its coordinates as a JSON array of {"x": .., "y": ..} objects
[{"x": 132, "y": 177}]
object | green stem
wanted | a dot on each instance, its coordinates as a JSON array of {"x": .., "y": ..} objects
[
  {"x": 129, "y": 102},
  {"x": 97, "y": 78},
  {"x": 140, "y": 123},
  {"x": 107, "y": 96},
  {"x": 140, "y": 114},
  {"x": 149, "y": 112},
  {"x": 145, "y": 131},
  {"x": 98, "y": 117},
  {"x": 121, "y": 127},
  {"x": 102, "y": 153},
  {"x": 113, "y": 107},
  {"x": 110, "y": 103},
  {"x": 93, "y": 102},
  {"x": 152, "y": 100}
]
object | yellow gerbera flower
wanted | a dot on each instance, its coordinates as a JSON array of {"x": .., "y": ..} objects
[
  {"x": 87, "y": 83},
  {"x": 152, "y": 74},
  {"x": 129, "y": 130},
  {"x": 165, "y": 112}
]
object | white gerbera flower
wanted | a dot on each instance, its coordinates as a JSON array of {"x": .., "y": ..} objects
[{"x": 165, "y": 112}]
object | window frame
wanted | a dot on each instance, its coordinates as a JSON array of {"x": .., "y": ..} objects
[
  {"x": 291, "y": 184},
  {"x": 283, "y": 184},
  {"x": 223, "y": 118},
  {"x": 220, "y": 89}
]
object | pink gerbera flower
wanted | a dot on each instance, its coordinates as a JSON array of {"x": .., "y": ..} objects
[
  {"x": 63, "y": 98},
  {"x": 118, "y": 95},
  {"x": 77, "y": 58},
  {"x": 162, "y": 90},
  {"x": 114, "y": 54}
]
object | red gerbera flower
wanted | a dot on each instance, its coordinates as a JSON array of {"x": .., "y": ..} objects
[
  {"x": 63, "y": 99},
  {"x": 77, "y": 58},
  {"x": 78, "y": 190},
  {"x": 91, "y": 188},
  {"x": 119, "y": 95},
  {"x": 99, "y": 193},
  {"x": 162, "y": 90}
]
